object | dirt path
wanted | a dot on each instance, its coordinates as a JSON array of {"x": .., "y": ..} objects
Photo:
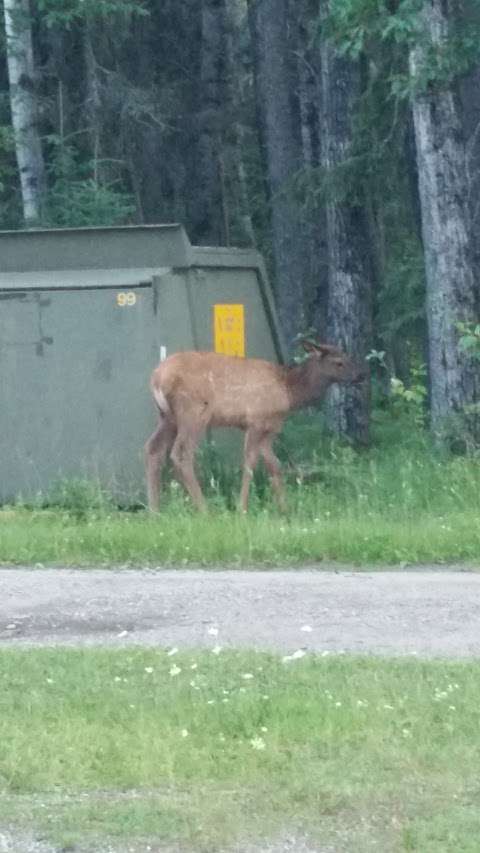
[{"x": 429, "y": 613}]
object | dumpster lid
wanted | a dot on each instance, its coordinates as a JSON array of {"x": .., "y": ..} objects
[{"x": 80, "y": 279}]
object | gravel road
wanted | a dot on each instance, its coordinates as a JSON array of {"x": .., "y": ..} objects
[{"x": 432, "y": 613}]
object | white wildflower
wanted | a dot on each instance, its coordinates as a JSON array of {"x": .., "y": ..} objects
[
  {"x": 257, "y": 743},
  {"x": 216, "y": 650},
  {"x": 149, "y": 669},
  {"x": 171, "y": 652},
  {"x": 175, "y": 670},
  {"x": 300, "y": 653}
]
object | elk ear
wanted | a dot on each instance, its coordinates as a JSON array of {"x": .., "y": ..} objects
[
  {"x": 320, "y": 349},
  {"x": 309, "y": 346}
]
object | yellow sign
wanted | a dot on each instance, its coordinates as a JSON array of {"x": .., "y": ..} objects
[
  {"x": 229, "y": 329},
  {"x": 124, "y": 299}
]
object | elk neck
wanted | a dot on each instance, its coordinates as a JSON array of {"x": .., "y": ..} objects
[{"x": 304, "y": 384}]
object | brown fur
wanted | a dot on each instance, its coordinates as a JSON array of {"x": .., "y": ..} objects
[{"x": 197, "y": 390}]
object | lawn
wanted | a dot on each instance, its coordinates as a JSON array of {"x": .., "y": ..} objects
[{"x": 204, "y": 749}]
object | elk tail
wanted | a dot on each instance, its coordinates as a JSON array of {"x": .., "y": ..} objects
[{"x": 162, "y": 403}]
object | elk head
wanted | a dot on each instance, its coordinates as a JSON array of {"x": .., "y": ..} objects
[{"x": 330, "y": 362}]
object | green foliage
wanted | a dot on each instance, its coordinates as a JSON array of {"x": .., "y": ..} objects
[
  {"x": 400, "y": 309},
  {"x": 469, "y": 340},
  {"x": 77, "y": 199},
  {"x": 73, "y": 204},
  {"x": 356, "y": 26},
  {"x": 66, "y": 13},
  {"x": 411, "y": 399},
  {"x": 75, "y": 496},
  {"x": 10, "y": 212}
]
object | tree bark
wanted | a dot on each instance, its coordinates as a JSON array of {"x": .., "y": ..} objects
[
  {"x": 93, "y": 98},
  {"x": 280, "y": 137},
  {"x": 349, "y": 277},
  {"x": 23, "y": 104},
  {"x": 471, "y": 122},
  {"x": 209, "y": 208},
  {"x": 243, "y": 228},
  {"x": 445, "y": 224},
  {"x": 304, "y": 14}
]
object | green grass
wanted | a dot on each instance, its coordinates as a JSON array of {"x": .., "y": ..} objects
[
  {"x": 375, "y": 754},
  {"x": 225, "y": 539},
  {"x": 400, "y": 501}
]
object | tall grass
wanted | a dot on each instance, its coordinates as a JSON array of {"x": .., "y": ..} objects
[{"x": 400, "y": 501}]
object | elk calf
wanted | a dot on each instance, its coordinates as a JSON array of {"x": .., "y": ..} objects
[{"x": 196, "y": 390}]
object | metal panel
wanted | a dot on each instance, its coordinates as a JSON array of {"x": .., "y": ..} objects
[
  {"x": 77, "y": 279},
  {"x": 213, "y": 285},
  {"x": 74, "y": 372},
  {"x": 173, "y": 314},
  {"x": 85, "y": 314},
  {"x": 94, "y": 248}
]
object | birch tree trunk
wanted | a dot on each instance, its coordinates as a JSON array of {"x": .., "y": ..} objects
[
  {"x": 21, "y": 75},
  {"x": 445, "y": 224},
  {"x": 281, "y": 140},
  {"x": 349, "y": 279}
]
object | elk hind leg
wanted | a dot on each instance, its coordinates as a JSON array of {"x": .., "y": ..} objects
[
  {"x": 183, "y": 457},
  {"x": 156, "y": 450}
]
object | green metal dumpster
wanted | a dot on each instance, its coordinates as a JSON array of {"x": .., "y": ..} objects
[{"x": 85, "y": 315}]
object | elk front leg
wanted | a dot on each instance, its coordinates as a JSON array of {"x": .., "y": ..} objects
[
  {"x": 250, "y": 458},
  {"x": 274, "y": 469},
  {"x": 156, "y": 450}
]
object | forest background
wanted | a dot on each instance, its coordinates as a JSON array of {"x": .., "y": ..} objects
[{"x": 341, "y": 138}]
